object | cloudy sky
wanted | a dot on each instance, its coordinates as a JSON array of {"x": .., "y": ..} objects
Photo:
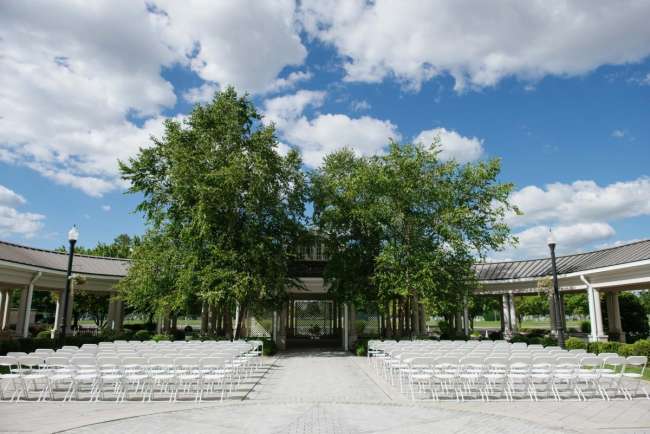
[{"x": 560, "y": 90}]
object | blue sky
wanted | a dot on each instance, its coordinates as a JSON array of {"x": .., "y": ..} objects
[{"x": 560, "y": 93}]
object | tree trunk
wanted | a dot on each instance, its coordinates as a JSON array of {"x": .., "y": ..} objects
[
  {"x": 205, "y": 314},
  {"x": 415, "y": 316},
  {"x": 240, "y": 322},
  {"x": 213, "y": 320},
  {"x": 227, "y": 323},
  {"x": 423, "y": 322}
]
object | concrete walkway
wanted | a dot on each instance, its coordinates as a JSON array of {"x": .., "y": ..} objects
[{"x": 326, "y": 392}]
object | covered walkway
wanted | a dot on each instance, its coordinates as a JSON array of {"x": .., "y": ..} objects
[{"x": 606, "y": 271}]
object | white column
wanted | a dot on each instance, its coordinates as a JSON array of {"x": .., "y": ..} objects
[
  {"x": 466, "y": 317},
  {"x": 599, "y": 316},
  {"x": 4, "y": 300},
  {"x": 57, "y": 311},
  {"x": 513, "y": 313},
  {"x": 595, "y": 314},
  {"x": 505, "y": 314},
  {"x": 22, "y": 308},
  {"x": 345, "y": 327}
]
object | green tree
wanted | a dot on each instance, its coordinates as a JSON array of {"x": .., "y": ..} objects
[
  {"x": 407, "y": 226},
  {"x": 224, "y": 203},
  {"x": 531, "y": 305}
]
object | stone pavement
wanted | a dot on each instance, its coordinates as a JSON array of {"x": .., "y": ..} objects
[{"x": 326, "y": 392}]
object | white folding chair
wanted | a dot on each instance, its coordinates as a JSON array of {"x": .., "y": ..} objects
[
  {"x": 635, "y": 375},
  {"x": 10, "y": 380},
  {"x": 32, "y": 376}
]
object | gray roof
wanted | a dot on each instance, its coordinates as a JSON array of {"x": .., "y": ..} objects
[
  {"x": 57, "y": 261},
  {"x": 97, "y": 265},
  {"x": 624, "y": 254}
]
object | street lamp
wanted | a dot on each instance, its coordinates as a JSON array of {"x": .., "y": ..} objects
[
  {"x": 73, "y": 235},
  {"x": 559, "y": 327}
]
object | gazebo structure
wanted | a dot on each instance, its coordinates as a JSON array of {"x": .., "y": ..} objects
[{"x": 608, "y": 271}]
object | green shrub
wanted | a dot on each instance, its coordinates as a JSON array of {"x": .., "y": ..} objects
[
  {"x": 585, "y": 327},
  {"x": 142, "y": 335},
  {"x": 641, "y": 348},
  {"x": 44, "y": 334},
  {"x": 360, "y": 326},
  {"x": 574, "y": 344},
  {"x": 519, "y": 338},
  {"x": 603, "y": 347},
  {"x": 549, "y": 341},
  {"x": 361, "y": 347},
  {"x": 161, "y": 337},
  {"x": 269, "y": 347}
]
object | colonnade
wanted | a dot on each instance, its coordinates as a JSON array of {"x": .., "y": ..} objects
[
  {"x": 510, "y": 326},
  {"x": 23, "y": 317}
]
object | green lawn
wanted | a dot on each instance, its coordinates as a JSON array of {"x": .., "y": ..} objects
[{"x": 527, "y": 324}]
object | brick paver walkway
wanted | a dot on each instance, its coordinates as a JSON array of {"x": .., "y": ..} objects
[{"x": 326, "y": 392}]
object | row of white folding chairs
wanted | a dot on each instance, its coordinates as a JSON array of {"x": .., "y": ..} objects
[
  {"x": 123, "y": 376},
  {"x": 590, "y": 374},
  {"x": 503, "y": 377}
]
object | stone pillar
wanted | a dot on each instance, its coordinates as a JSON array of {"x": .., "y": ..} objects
[
  {"x": 513, "y": 313},
  {"x": 505, "y": 314},
  {"x": 614, "y": 316}
]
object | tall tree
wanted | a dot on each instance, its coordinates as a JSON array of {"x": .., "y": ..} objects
[
  {"x": 225, "y": 201},
  {"x": 408, "y": 226}
]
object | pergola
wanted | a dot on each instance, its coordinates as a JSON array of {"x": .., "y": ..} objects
[
  {"x": 621, "y": 268},
  {"x": 610, "y": 271},
  {"x": 29, "y": 269}
]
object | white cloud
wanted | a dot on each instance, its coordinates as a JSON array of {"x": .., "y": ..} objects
[
  {"x": 618, "y": 134},
  {"x": 289, "y": 82},
  {"x": 570, "y": 239},
  {"x": 106, "y": 208},
  {"x": 74, "y": 83},
  {"x": 287, "y": 109},
  {"x": 360, "y": 105},
  {"x": 245, "y": 43},
  {"x": 14, "y": 222},
  {"x": 325, "y": 133},
  {"x": 582, "y": 201},
  {"x": 201, "y": 94},
  {"x": 477, "y": 43},
  {"x": 10, "y": 198},
  {"x": 453, "y": 145}
]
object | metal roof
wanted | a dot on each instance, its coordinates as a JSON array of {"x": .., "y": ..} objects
[
  {"x": 58, "y": 261},
  {"x": 623, "y": 254},
  {"x": 487, "y": 271}
]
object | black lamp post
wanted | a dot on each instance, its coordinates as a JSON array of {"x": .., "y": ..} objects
[
  {"x": 73, "y": 235},
  {"x": 559, "y": 327}
]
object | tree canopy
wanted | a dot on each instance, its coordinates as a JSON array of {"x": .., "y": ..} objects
[
  {"x": 407, "y": 225},
  {"x": 225, "y": 210}
]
